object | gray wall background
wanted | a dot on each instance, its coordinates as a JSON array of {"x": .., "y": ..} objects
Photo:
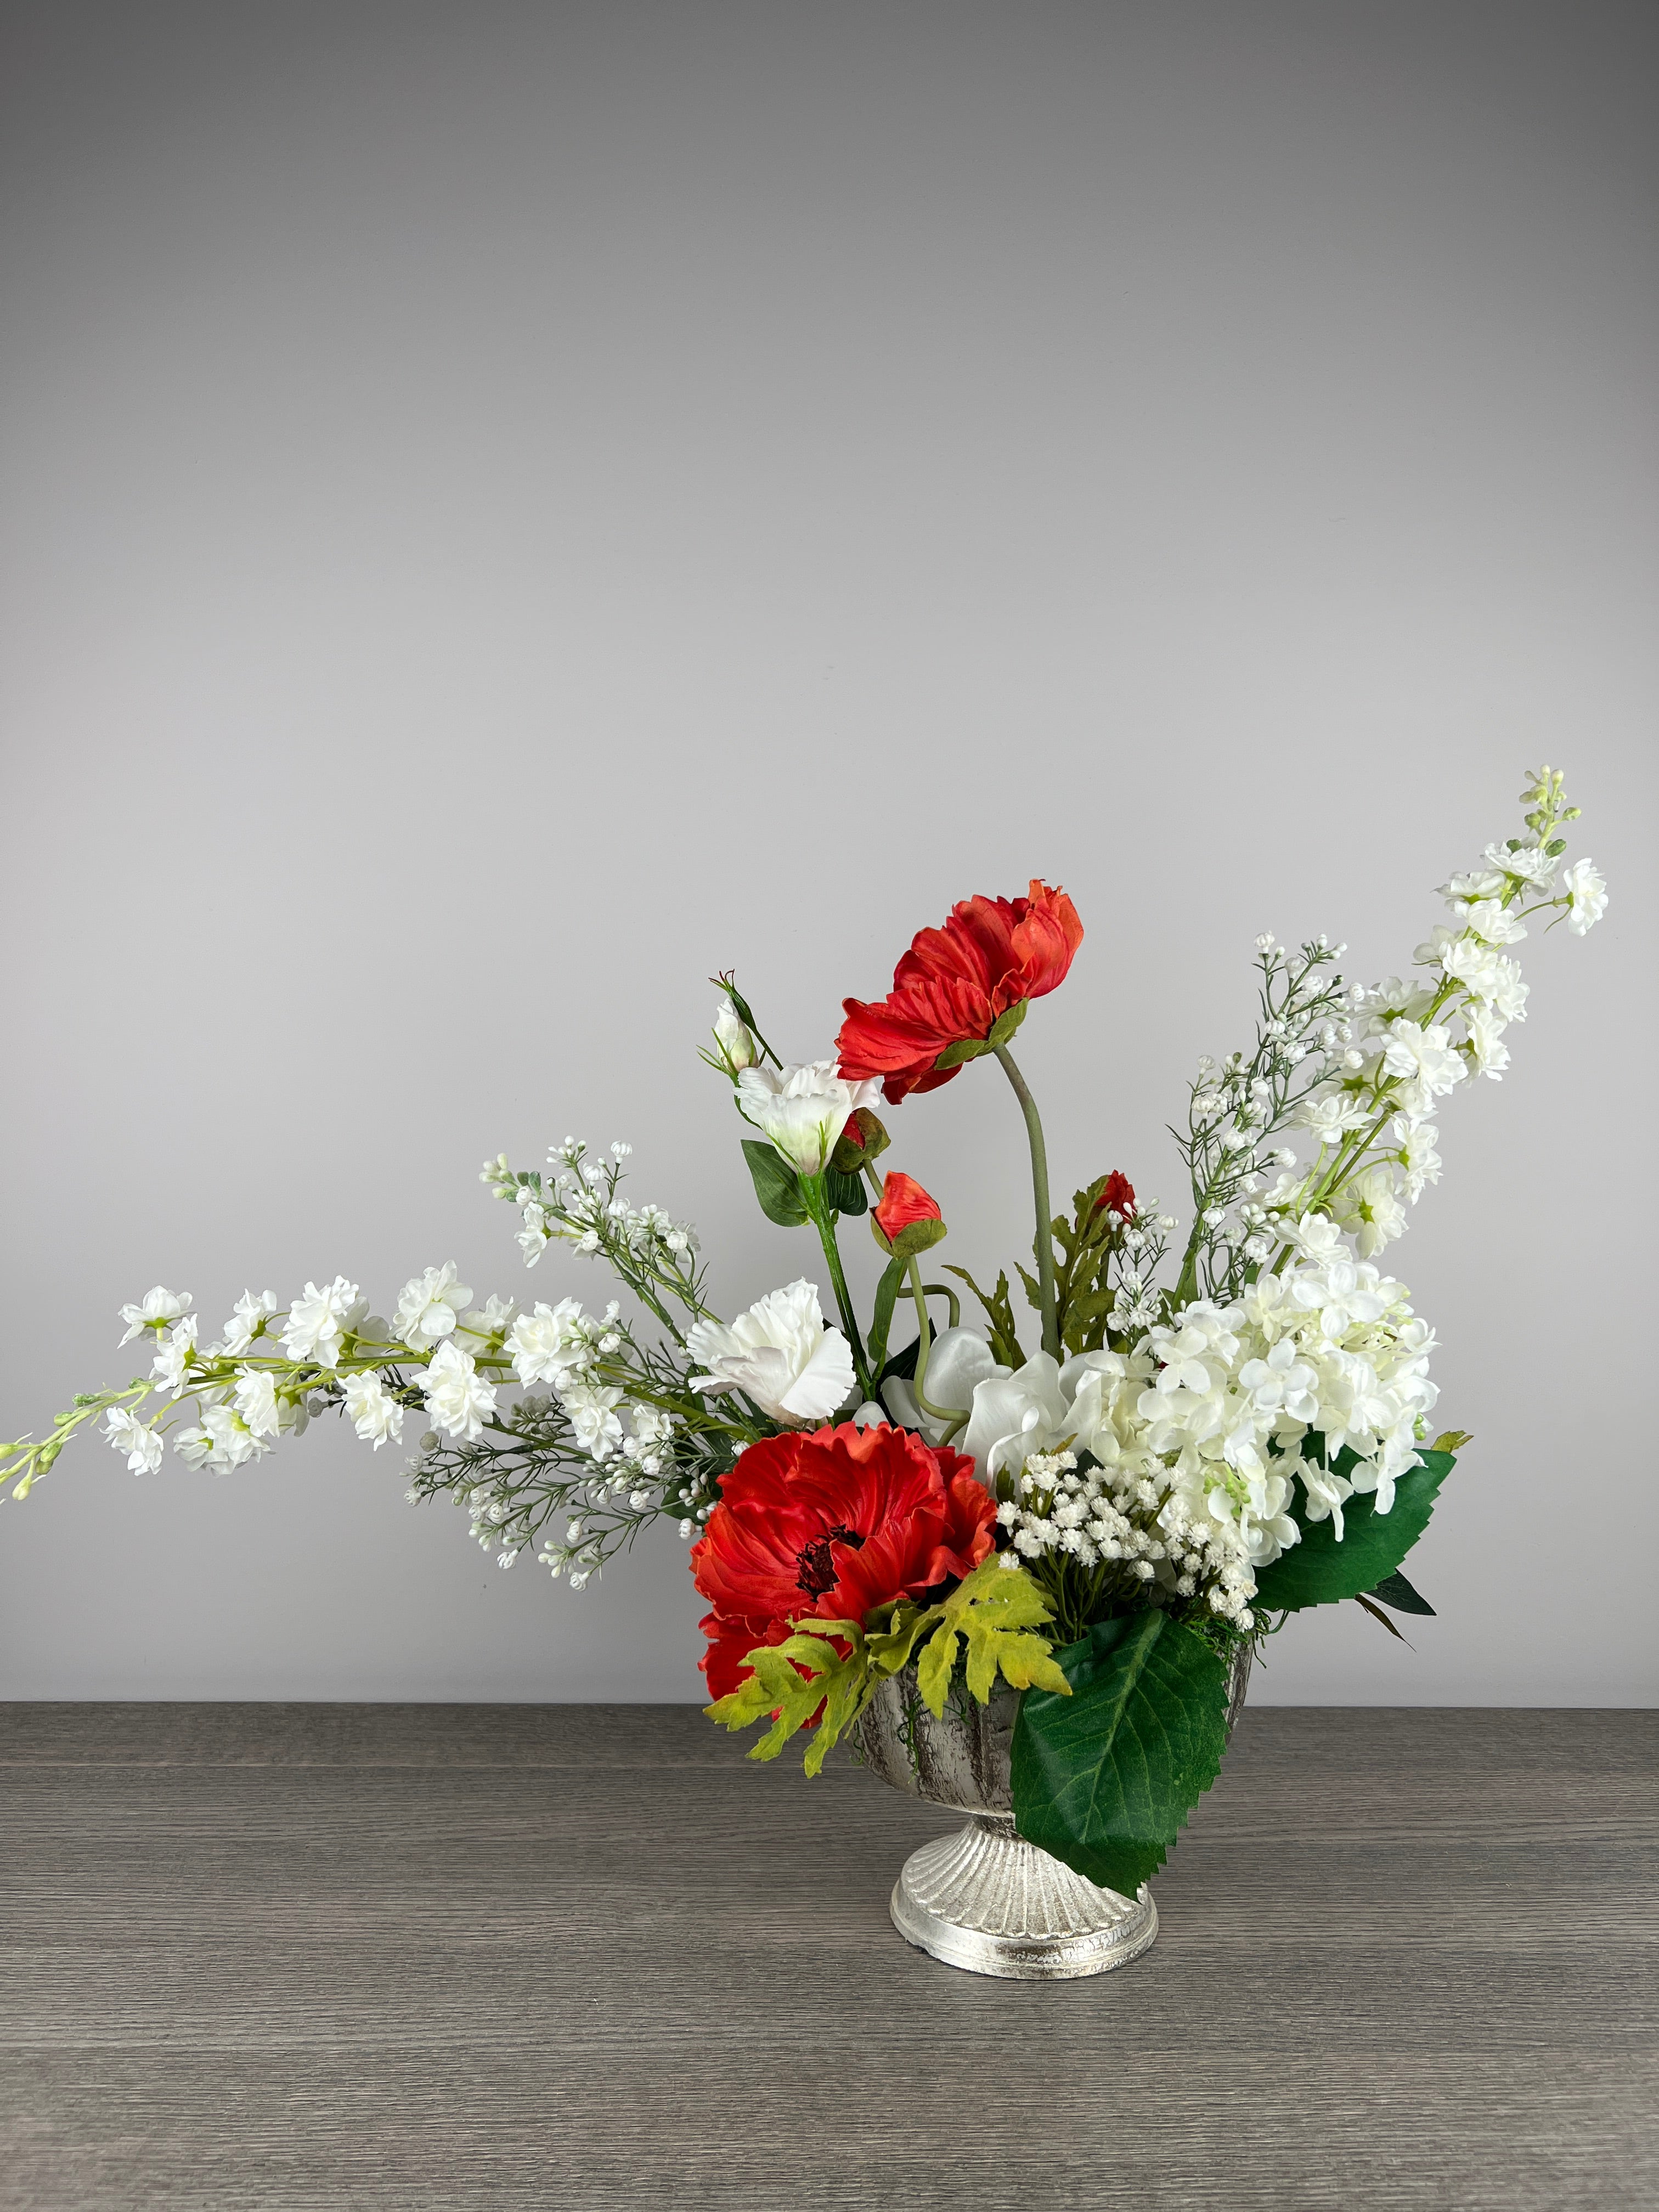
[{"x": 509, "y": 507}]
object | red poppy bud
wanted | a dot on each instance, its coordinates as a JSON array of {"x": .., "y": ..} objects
[
  {"x": 1118, "y": 1197},
  {"x": 908, "y": 1220},
  {"x": 862, "y": 1140}
]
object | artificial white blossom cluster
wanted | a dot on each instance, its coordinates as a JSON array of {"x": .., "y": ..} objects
[
  {"x": 1128, "y": 1532},
  {"x": 1360, "y": 1071}
]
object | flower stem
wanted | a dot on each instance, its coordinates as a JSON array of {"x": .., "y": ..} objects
[
  {"x": 953, "y": 1415},
  {"x": 824, "y": 1222},
  {"x": 1045, "y": 1234}
]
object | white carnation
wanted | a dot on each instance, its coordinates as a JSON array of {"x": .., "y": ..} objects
[{"x": 779, "y": 1354}]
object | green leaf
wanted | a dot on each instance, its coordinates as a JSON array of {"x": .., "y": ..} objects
[
  {"x": 790, "y": 1680},
  {"x": 1396, "y": 1590},
  {"x": 776, "y": 1184},
  {"x": 1319, "y": 1571},
  {"x": 999, "y": 1312},
  {"x": 881, "y": 1318},
  {"x": 994, "y": 1611},
  {"x": 846, "y": 1193},
  {"x": 1105, "y": 1779}
]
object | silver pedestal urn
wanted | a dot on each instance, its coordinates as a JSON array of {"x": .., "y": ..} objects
[{"x": 984, "y": 1899}]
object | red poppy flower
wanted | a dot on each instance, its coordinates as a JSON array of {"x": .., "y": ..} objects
[
  {"x": 953, "y": 984},
  {"x": 833, "y": 1523},
  {"x": 1118, "y": 1197}
]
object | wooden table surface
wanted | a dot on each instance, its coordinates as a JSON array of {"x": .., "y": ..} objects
[{"x": 586, "y": 1956}]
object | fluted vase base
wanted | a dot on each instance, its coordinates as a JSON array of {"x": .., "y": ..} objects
[{"x": 986, "y": 1900}]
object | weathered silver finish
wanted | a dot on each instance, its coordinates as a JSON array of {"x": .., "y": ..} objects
[{"x": 985, "y": 1899}]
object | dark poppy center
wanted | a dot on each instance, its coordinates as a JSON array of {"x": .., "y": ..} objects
[{"x": 817, "y": 1572}]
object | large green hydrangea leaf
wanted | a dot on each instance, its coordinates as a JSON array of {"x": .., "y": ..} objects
[
  {"x": 1104, "y": 1778},
  {"x": 1319, "y": 1571}
]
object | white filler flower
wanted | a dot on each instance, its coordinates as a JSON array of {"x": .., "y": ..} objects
[{"x": 779, "y": 1354}]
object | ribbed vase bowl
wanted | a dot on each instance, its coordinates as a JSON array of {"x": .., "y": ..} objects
[{"x": 985, "y": 1899}]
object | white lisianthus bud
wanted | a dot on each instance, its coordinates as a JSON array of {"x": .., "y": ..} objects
[
  {"x": 733, "y": 1040},
  {"x": 802, "y": 1110},
  {"x": 779, "y": 1354}
]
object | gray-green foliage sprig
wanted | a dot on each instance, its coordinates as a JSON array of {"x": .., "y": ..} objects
[{"x": 1236, "y": 1109}]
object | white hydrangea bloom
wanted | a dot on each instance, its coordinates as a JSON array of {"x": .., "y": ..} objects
[{"x": 779, "y": 1354}]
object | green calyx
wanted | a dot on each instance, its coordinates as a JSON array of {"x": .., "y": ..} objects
[{"x": 955, "y": 1056}]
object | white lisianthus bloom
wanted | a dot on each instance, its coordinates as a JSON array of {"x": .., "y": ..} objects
[
  {"x": 959, "y": 1361},
  {"x": 372, "y": 1410},
  {"x": 429, "y": 1305},
  {"x": 172, "y": 1353},
  {"x": 779, "y": 1354},
  {"x": 1587, "y": 893},
  {"x": 158, "y": 1305},
  {"x": 318, "y": 1321},
  {"x": 255, "y": 1397},
  {"x": 457, "y": 1396},
  {"x": 802, "y": 1110},
  {"x": 133, "y": 1437},
  {"x": 1015, "y": 1415},
  {"x": 248, "y": 1319},
  {"x": 733, "y": 1040}
]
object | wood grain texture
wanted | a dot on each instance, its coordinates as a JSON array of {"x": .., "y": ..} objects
[{"x": 286, "y": 1956}]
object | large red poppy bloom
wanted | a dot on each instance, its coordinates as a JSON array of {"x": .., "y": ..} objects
[
  {"x": 833, "y": 1524},
  {"x": 953, "y": 984}
]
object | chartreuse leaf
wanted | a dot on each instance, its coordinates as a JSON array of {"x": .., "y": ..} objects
[
  {"x": 1320, "y": 1570},
  {"x": 790, "y": 1680},
  {"x": 994, "y": 1612},
  {"x": 776, "y": 1184},
  {"x": 995, "y": 1609},
  {"x": 1105, "y": 1779}
]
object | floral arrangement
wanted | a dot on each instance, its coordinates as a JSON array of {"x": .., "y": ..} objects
[{"x": 1099, "y": 1507}]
